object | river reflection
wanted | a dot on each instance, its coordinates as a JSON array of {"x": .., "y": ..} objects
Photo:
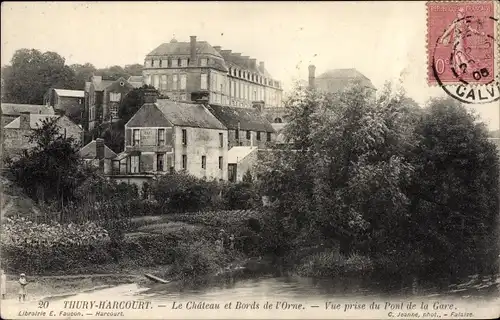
[{"x": 263, "y": 287}]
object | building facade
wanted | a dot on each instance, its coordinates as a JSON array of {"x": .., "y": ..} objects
[
  {"x": 104, "y": 98},
  {"x": 16, "y": 133},
  {"x": 165, "y": 136},
  {"x": 187, "y": 71},
  {"x": 67, "y": 102},
  {"x": 97, "y": 154},
  {"x": 245, "y": 126}
]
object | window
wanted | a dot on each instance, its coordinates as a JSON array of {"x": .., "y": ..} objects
[
  {"x": 220, "y": 162},
  {"x": 115, "y": 96},
  {"x": 161, "y": 137},
  {"x": 147, "y": 63},
  {"x": 184, "y": 63},
  {"x": 203, "y": 162},
  {"x": 183, "y": 81},
  {"x": 174, "y": 82},
  {"x": 221, "y": 140},
  {"x": 237, "y": 134},
  {"x": 203, "y": 62},
  {"x": 156, "y": 81},
  {"x": 174, "y": 62},
  {"x": 156, "y": 63},
  {"x": 164, "y": 63},
  {"x": 184, "y": 137},
  {"x": 204, "y": 81},
  {"x": 134, "y": 164},
  {"x": 137, "y": 137},
  {"x": 179, "y": 62},
  {"x": 269, "y": 136},
  {"x": 163, "y": 82},
  {"x": 184, "y": 161},
  {"x": 113, "y": 111},
  {"x": 249, "y": 133},
  {"x": 258, "y": 135},
  {"x": 159, "y": 162}
]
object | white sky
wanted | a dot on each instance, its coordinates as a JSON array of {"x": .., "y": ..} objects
[{"x": 383, "y": 40}]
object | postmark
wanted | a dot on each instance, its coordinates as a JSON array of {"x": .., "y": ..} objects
[{"x": 463, "y": 50}]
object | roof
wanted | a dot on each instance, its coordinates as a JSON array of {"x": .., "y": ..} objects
[
  {"x": 338, "y": 79},
  {"x": 35, "y": 121},
  {"x": 70, "y": 93},
  {"x": 102, "y": 84},
  {"x": 247, "y": 118},
  {"x": 236, "y": 154},
  {"x": 188, "y": 114},
  {"x": 183, "y": 48},
  {"x": 16, "y": 109},
  {"x": 89, "y": 151},
  {"x": 135, "y": 79},
  {"x": 278, "y": 126},
  {"x": 122, "y": 155}
]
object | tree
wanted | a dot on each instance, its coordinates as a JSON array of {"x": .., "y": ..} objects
[
  {"x": 51, "y": 170},
  {"x": 247, "y": 177},
  {"x": 455, "y": 191},
  {"x": 83, "y": 73},
  {"x": 132, "y": 102},
  {"x": 133, "y": 69},
  {"x": 32, "y": 73}
]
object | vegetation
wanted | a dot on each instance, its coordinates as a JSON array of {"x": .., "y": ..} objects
[
  {"x": 387, "y": 180},
  {"x": 31, "y": 73}
]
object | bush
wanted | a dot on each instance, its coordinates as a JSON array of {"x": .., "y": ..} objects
[
  {"x": 331, "y": 263},
  {"x": 240, "y": 196},
  {"x": 197, "y": 259},
  {"x": 182, "y": 192}
]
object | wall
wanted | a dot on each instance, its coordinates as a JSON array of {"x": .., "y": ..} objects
[
  {"x": 72, "y": 106},
  {"x": 243, "y": 141},
  {"x": 193, "y": 81},
  {"x": 16, "y": 140},
  {"x": 248, "y": 163},
  {"x": 201, "y": 142}
]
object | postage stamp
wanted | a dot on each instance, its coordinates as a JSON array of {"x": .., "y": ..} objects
[{"x": 461, "y": 42}]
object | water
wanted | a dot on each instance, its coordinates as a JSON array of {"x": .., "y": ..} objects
[{"x": 474, "y": 293}]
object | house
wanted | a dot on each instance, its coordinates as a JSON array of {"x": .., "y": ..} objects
[
  {"x": 166, "y": 135},
  {"x": 11, "y": 111},
  {"x": 187, "y": 71},
  {"x": 15, "y": 134},
  {"x": 338, "y": 80},
  {"x": 103, "y": 99},
  {"x": 246, "y": 126},
  {"x": 67, "y": 102},
  {"x": 98, "y": 155}
]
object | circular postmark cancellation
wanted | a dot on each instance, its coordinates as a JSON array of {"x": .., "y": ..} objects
[{"x": 464, "y": 57}]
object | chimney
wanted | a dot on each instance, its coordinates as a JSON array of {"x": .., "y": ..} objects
[
  {"x": 244, "y": 59},
  {"x": 24, "y": 122},
  {"x": 99, "y": 153},
  {"x": 261, "y": 67},
  {"x": 226, "y": 52},
  {"x": 253, "y": 63},
  {"x": 312, "y": 70},
  {"x": 150, "y": 96},
  {"x": 193, "y": 50},
  {"x": 217, "y": 48},
  {"x": 99, "y": 148}
]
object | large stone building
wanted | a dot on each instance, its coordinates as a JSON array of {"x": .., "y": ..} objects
[
  {"x": 338, "y": 80},
  {"x": 166, "y": 135},
  {"x": 103, "y": 97},
  {"x": 16, "y": 133},
  {"x": 67, "y": 102},
  {"x": 188, "y": 71}
]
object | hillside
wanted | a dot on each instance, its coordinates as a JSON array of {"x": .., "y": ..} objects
[{"x": 14, "y": 201}]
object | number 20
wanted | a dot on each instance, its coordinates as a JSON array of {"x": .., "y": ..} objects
[{"x": 43, "y": 304}]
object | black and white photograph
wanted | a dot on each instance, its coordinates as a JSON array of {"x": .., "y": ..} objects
[{"x": 250, "y": 160}]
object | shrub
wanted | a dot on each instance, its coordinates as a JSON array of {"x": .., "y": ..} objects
[
  {"x": 331, "y": 263},
  {"x": 197, "y": 259},
  {"x": 240, "y": 196}
]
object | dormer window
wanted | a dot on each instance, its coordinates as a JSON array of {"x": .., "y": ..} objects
[
  {"x": 174, "y": 63},
  {"x": 239, "y": 73},
  {"x": 203, "y": 62},
  {"x": 179, "y": 62}
]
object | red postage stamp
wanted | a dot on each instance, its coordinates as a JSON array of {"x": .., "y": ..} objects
[{"x": 461, "y": 42}]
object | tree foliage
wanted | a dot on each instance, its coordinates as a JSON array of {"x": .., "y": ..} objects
[
  {"x": 51, "y": 170},
  {"x": 384, "y": 176}
]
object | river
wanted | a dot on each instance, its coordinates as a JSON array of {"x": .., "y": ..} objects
[{"x": 472, "y": 296}]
